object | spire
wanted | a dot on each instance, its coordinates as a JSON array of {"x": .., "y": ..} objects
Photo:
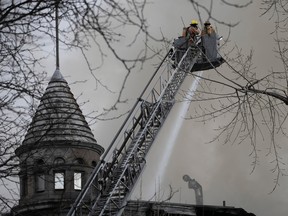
[
  {"x": 58, "y": 118},
  {"x": 57, "y": 34}
]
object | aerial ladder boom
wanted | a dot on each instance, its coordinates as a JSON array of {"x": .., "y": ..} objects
[{"x": 111, "y": 182}]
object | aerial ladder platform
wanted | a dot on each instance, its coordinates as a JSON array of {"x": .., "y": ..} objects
[{"x": 109, "y": 186}]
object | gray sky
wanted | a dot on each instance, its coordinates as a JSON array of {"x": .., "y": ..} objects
[{"x": 222, "y": 170}]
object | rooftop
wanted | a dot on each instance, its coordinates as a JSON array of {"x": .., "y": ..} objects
[{"x": 58, "y": 118}]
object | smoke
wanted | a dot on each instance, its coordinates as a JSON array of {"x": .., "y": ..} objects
[{"x": 223, "y": 171}]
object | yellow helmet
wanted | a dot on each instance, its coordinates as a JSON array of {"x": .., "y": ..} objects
[{"x": 194, "y": 22}]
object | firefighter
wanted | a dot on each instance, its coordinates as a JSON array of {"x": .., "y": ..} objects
[
  {"x": 209, "y": 42},
  {"x": 191, "y": 32},
  {"x": 208, "y": 29}
]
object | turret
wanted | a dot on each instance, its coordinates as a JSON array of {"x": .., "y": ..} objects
[{"x": 57, "y": 155}]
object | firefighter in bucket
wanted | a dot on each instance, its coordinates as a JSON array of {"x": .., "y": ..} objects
[{"x": 208, "y": 45}]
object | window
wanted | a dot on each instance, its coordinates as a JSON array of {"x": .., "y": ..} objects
[
  {"x": 59, "y": 160},
  {"x": 94, "y": 163},
  {"x": 40, "y": 182},
  {"x": 59, "y": 180},
  {"x": 24, "y": 186},
  {"x": 77, "y": 180}
]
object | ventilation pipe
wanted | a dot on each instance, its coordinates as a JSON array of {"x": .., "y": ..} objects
[{"x": 193, "y": 184}]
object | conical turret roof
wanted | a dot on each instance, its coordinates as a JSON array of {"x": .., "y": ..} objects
[{"x": 58, "y": 118}]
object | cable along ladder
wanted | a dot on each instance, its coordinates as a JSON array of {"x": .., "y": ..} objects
[{"x": 111, "y": 182}]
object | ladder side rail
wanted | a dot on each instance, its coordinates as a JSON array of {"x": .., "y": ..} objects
[
  {"x": 155, "y": 81},
  {"x": 165, "y": 89},
  {"x": 142, "y": 132},
  {"x": 118, "y": 155},
  {"x": 110, "y": 195},
  {"x": 165, "y": 78},
  {"x": 154, "y": 75}
]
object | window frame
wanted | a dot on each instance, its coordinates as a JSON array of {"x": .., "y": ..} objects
[
  {"x": 57, "y": 184},
  {"x": 24, "y": 185},
  {"x": 76, "y": 186},
  {"x": 40, "y": 184}
]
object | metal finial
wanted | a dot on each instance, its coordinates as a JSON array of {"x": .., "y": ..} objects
[{"x": 57, "y": 34}]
